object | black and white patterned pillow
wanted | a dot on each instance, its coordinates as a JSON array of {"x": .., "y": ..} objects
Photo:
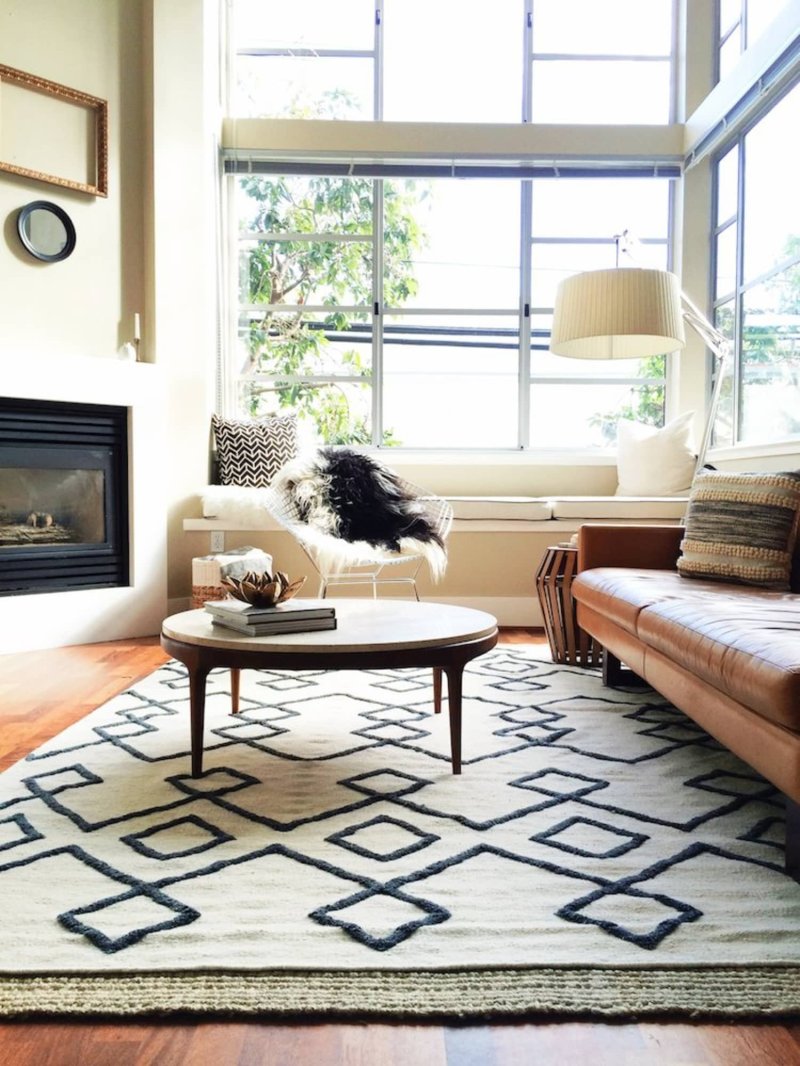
[
  {"x": 250, "y": 452},
  {"x": 742, "y": 527}
]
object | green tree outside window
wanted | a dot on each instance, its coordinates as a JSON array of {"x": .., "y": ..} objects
[{"x": 291, "y": 344}]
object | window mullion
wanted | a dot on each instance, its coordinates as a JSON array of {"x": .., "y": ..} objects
[
  {"x": 316, "y": 238},
  {"x": 524, "y": 388},
  {"x": 377, "y": 67},
  {"x": 673, "y": 65},
  {"x": 377, "y": 311},
  {"x": 736, "y": 370},
  {"x": 527, "y": 62},
  {"x": 226, "y": 403},
  {"x": 377, "y": 240},
  {"x": 306, "y": 53},
  {"x": 323, "y": 309}
]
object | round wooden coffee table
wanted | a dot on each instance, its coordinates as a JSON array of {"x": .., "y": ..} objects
[{"x": 370, "y": 634}]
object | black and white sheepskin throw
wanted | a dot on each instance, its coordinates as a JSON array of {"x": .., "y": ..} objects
[{"x": 352, "y": 497}]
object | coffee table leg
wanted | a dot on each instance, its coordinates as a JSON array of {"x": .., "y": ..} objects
[
  {"x": 235, "y": 676},
  {"x": 454, "y": 707},
  {"x": 437, "y": 690},
  {"x": 197, "y": 708}
]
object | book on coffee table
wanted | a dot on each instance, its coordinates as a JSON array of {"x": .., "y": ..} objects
[
  {"x": 290, "y": 611},
  {"x": 268, "y": 629}
]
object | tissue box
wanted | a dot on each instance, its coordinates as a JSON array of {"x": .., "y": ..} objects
[{"x": 209, "y": 570}]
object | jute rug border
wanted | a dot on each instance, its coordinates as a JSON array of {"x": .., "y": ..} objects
[{"x": 712, "y": 993}]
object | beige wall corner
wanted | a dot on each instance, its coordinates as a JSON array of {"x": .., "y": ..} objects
[{"x": 184, "y": 184}]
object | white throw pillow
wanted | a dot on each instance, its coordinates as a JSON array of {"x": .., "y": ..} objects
[{"x": 655, "y": 462}]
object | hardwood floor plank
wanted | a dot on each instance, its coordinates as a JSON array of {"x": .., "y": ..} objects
[
  {"x": 767, "y": 1045},
  {"x": 470, "y": 1045},
  {"x": 45, "y": 691},
  {"x": 42, "y": 693},
  {"x": 565, "y": 1044}
]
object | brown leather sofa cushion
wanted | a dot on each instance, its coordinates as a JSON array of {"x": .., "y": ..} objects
[
  {"x": 620, "y": 593},
  {"x": 744, "y": 642},
  {"x": 746, "y": 646}
]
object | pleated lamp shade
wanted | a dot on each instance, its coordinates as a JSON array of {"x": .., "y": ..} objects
[{"x": 628, "y": 313}]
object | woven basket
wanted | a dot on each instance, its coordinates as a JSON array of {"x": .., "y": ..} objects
[{"x": 202, "y": 593}]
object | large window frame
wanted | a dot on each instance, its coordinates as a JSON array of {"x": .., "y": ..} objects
[
  {"x": 735, "y": 32},
  {"x": 533, "y": 58},
  {"x": 729, "y": 233},
  {"x": 526, "y": 171},
  {"x": 523, "y": 325}
]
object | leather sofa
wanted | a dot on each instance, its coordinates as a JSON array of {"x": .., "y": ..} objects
[{"x": 728, "y": 655}]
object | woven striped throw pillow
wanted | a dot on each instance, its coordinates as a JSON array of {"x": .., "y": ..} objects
[
  {"x": 252, "y": 451},
  {"x": 742, "y": 527}
]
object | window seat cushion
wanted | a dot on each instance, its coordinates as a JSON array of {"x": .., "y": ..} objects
[
  {"x": 619, "y": 507},
  {"x": 504, "y": 508},
  {"x": 246, "y": 507}
]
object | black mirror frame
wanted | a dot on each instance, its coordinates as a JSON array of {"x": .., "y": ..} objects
[{"x": 61, "y": 215}]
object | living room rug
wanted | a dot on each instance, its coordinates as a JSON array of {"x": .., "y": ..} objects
[{"x": 600, "y": 855}]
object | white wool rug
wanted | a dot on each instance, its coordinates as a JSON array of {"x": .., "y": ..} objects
[{"x": 599, "y": 854}]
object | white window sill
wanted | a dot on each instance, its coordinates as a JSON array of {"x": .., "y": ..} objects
[{"x": 755, "y": 451}]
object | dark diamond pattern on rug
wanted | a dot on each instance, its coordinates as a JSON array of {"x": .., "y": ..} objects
[
  {"x": 357, "y": 838},
  {"x": 589, "y": 825},
  {"x": 607, "y": 840},
  {"x": 154, "y": 841},
  {"x": 638, "y": 917}
]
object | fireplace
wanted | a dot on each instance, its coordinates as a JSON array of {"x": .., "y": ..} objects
[{"x": 63, "y": 496}]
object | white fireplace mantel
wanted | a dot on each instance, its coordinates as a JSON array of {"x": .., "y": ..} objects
[{"x": 85, "y": 616}]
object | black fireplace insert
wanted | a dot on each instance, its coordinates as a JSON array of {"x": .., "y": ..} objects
[{"x": 63, "y": 496}]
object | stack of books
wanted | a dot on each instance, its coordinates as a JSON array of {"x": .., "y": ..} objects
[{"x": 293, "y": 616}]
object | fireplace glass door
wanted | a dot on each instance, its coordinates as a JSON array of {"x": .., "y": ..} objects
[{"x": 45, "y": 505}]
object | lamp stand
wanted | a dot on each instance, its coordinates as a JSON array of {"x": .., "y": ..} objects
[{"x": 719, "y": 344}]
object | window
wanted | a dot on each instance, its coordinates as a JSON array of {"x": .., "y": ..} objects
[
  {"x": 303, "y": 59},
  {"x": 407, "y": 303},
  {"x": 305, "y": 301},
  {"x": 757, "y": 280},
  {"x": 438, "y": 56},
  {"x": 573, "y": 222},
  {"x": 446, "y": 61},
  {"x": 402, "y": 312},
  {"x": 601, "y": 62},
  {"x": 739, "y": 24}
]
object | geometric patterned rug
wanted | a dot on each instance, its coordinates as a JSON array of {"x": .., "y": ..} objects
[{"x": 599, "y": 855}]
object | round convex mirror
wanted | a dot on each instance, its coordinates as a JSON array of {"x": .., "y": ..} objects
[{"x": 46, "y": 230}]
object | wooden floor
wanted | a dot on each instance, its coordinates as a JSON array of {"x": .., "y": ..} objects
[{"x": 43, "y": 692}]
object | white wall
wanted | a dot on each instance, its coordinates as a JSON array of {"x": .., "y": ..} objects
[
  {"x": 84, "y": 305},
  {"x": 61, "y": 324}
]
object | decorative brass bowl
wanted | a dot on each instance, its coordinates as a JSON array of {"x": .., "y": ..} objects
[{"x": 263, "y": 590}]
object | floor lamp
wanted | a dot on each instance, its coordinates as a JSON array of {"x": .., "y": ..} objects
[{"x": 633, "y": 313}]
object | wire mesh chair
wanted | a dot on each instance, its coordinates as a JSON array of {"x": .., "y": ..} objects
[{"x": 341, "y": 562}]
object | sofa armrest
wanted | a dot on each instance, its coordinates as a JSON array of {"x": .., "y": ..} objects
[{"x": 646, "y": 547}]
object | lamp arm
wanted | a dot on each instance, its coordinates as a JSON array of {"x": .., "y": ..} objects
[
  {"x": 719, "y": 344},
  {"x": 716, "y": 341}
]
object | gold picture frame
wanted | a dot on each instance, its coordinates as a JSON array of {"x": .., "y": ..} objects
[{"x": 63, "y": 93}]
